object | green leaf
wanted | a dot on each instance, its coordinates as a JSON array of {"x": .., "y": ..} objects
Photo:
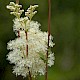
[{"x": 43, "y": 57}]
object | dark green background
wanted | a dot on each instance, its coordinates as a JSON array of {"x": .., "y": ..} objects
[{"x": 65, "y": 27}]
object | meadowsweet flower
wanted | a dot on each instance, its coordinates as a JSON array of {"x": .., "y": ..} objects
[
  {"x": 37, "y": 41},
  {"x": 22, "y": 23},
  {"x": 30, "y": 11},
  {"x": 51, "y": 59},
  {"x": 15, "y": 9}
]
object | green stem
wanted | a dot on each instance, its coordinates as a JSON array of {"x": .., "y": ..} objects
[{"x": 17, "y": 2}]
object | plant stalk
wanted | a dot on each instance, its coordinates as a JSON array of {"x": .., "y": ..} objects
[
  {"x": 49, "y": 24},
  {"x": 18, "y": 33},
  {"x": 27, "y": 55},
  {"x": 26, "y": 45},
  {"x": 30, "y": 75},
  {"x": 17, "y": 1}
]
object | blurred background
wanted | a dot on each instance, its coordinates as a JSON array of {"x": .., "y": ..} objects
[{"x": 65, "y": 27}]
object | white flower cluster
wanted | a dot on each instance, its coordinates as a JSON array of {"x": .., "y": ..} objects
[
  {"x": 15, "y": 8},
  {"x": 35, "y": 61}
]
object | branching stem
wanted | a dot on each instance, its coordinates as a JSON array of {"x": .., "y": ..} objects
[{"x": 17, "y": 2}]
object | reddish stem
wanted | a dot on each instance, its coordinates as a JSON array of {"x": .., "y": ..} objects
[
  {"x": 30, "y": 75},
  {"x": 17, "y": 1},
  {"x": 49, "y": 20},
  {"x": 26, "y": 44},
  {"x": 27, "y": 54},
  {"x": 18, "y": 33}
]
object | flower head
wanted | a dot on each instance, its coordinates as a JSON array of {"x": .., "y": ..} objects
[
  {"x": 37, "y": 42},
  {"x": 15, "y": 9}
]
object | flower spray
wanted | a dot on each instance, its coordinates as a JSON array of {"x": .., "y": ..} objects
[{"x": 31, "y": 50}]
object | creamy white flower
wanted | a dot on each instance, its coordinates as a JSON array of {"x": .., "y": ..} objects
[
  {"x": 21, "y": 24},
  {"x": 15, "y": 9},
  {"x": 25, "y": 24},
  {"x": 30, "y": 11},
  {"x": 37, "y": 42},
  {"x": 51, "y": 59}
]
